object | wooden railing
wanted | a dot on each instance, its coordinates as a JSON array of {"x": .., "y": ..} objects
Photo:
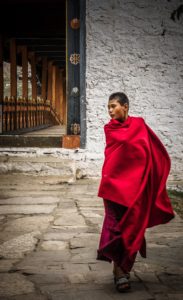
[
  {"x": 21, "y": 114},
  {"x": 55, "y": 116}
]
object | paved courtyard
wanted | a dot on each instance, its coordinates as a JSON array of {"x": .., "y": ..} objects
[{"x": 49, "y": 236}]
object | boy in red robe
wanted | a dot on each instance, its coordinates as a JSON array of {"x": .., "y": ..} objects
[{"x": 133, "y": 186}]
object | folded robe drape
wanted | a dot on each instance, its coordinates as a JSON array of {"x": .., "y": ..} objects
[{"x": 134, "y": 175}]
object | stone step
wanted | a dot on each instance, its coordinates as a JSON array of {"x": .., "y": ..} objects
[
  {"x": 40, "y": 141},
  {"x": 38, "y": 165}
]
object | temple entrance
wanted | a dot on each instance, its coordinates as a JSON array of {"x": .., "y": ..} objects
[{"x": 40, "y": 71}]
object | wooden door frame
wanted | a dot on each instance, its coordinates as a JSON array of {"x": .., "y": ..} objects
[
  {"x": 81, "y": 77},
  {"x": 83, "y": 72}
]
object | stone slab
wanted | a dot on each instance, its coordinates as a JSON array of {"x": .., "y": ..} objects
[
  {"x": 28, "y": 224},
  {"x": 84, "y": 256},
  {"x": 35, "y": 187},
  {"x": 35, "y": 159},
  {"x": 73, "y": 228},
  {"x": 44, "y": 262},
  {"x": 29, "y": 200},
  {"x": 7, "y": 193},
  {"x": 15, "y": 284},
  {"x": 42, "y": 165},
  {"x": 30, "y": 141},
  {"x": 88, "y": 198},
  {"x": 174, "y": 296},
  {"x": 6, "y": 265},
  {"x": 9, "y": 235},
  {"x": 62, "y": 236},
  {"x": 175, "y": 279},
  {"x": 15, "y": 248},
  {"x": 59, "y": 272},
  {"x": 105, "y": 294},
  {"x": 27, "y": 209},
  {"x": 95, "y": 221},
  {"x": 31, "y": 296},
  {"x": 92, "y": 204},
  {"x": 69, "y": 220},
  {"x": 89, "y": 214},
  {"x": 83, "y": 243},
  {"x": 97, "y": 210},
  {"x": 54, "y": 245},
  {"x": 54, "y": 279},
  {"x": 66, "y": 203},
  {"x": 88, "y": 235},
  {"x": 66, "y": 211},
  {"x": 90, "y": 295}
]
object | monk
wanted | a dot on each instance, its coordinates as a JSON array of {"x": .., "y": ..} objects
[{"x": 133, "y": 188}]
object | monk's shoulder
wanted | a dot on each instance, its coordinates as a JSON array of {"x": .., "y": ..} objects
[
  {"x": 138, "y": 120},
  {"x": 106, "y": 126}
]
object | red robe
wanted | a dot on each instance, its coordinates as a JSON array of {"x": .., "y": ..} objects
[{"x": 134, "y": 175}]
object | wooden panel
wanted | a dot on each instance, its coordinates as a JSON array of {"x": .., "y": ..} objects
[
  {"x": 13, "y": 81},
  {"x": 61, "y": 95},
  {"x": 71, "y": 141},
  {"x": 44, "y": 78},
  {"x": 1, "y": 86},
  {"x": 13, "y": 68},
  {"x": 57, "y": 92},
  {"x": 33, "y": 75},
  {"x": 64, "y": 106},
  {"x": 53, "y": 86},
  {"x": 24, "y": 72},
  {"x": 73, "y": 67},
  {"x": 1, "y": 71},
  {"x": 83, "y": 72},
  {"x": 49, "y": 92}
]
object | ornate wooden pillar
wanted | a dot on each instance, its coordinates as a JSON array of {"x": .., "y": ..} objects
[
  {"x": 53, "y": 86},
  {"x": 1, "y": 86},
  {"x": 34, "y": 119},
  {"x": 61, "y": 96},
  {"x": 13, "y": 68},
  {"x": 58, "y": 99},
  {"x": 83, "y": 72},
  {"x": 44, "y": 78},
  {"x": 73, "y": 67},
  {"x": 24, "y": 72},
  {"x": 50, "y": 79},
  {"x": 44, "y": 86},
  {"x": 25, "y": 85},
  {"x": 33, "y": 75},
  {"x": 13, "y": 80}
]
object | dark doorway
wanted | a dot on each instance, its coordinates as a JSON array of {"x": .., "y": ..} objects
[{"x": 38, "y": 47}]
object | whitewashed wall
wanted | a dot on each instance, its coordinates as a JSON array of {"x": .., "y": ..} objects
[{"x": 135, "y": 47}]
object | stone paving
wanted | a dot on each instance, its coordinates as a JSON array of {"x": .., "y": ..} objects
[{"x": 49, "y": 237}]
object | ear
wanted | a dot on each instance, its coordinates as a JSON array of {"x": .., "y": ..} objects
[{"x": 126, "y": 106}]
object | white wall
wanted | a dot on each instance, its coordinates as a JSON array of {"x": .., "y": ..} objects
[{"x": 135, "y": 47}]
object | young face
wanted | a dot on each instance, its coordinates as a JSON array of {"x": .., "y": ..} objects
[{"x": 117, "y": 111}]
